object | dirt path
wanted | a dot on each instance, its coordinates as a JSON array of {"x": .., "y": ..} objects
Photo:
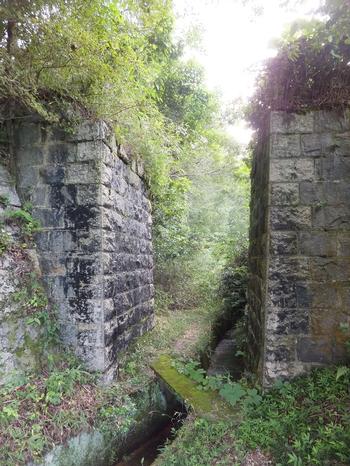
[{"x": 188, "y": 340}]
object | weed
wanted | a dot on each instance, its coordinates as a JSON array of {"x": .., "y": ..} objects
[
  {"x": 201, "y": 442},
  {"x": 31, "y": 297},
  {"x": 4, "y": 200},
  {"x": 305, "y": 422},
  {"x": 232, "y": 392},
  {"x": 33, "y": 410},
  {"x": 5, "y": 240},
  {"x": 166, "y": 337},
  {"x": 60, "y": 383},
  {"x": 121, "y": 416},
  {"x": 302, "y": 422},
  {"x": 24, "y": 218}
]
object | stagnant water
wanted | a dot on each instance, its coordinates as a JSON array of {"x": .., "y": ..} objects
[{"x": 147, "y": 453}]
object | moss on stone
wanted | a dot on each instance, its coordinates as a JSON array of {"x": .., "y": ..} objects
[{"x": 206, "y": 404}]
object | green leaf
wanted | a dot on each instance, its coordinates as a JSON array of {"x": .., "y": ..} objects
[
  {"x": 232, "y": 393},
  {"x": 253, "y": 397},
  {"x": 341, "y": 371}
]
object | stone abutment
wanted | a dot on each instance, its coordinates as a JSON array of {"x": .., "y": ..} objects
[
  {"x": 95, "y": 244},
  {"x": 299, "y": 290}
]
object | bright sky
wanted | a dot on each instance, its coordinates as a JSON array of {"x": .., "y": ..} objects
[{"x": 235, "y": 41}]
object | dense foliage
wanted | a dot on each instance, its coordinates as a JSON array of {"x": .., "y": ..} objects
[
  {"x": 304, "y": 422},
  {"x": 311, "y": 69},
  {"x": 117, "y": 60},
  {"x": 102, "y": 55}
]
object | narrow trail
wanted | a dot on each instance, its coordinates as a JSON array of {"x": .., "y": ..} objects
[{"x": 188, "y": 339}]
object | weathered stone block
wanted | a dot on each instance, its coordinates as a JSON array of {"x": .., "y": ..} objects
[
  {"x": 283, "y": 243},
  {"x": 55, "y": 241},
  {"x": 281, "y": 294},
  {"x": 344, "y": 295},
  {"x": 314, "y": 350},
  {"x": 343, "y": 241},
  {"x": 282, "y": 122},
  {"x": 315, "y": 243},
  {"x": 90, "y": 131},
  {"x": 61, "y": 153},
  {"x": 82, "y": 173},
  {"x": 285, "y": 145},
  {"x": 331, "y": 218},
  {"x": 87, "y": 151},
  {"x": 27, "y": 134},
  {"x": 30, "y": 155},
  {"x": 51, "y": 174},
  {"x": 333, "y": 167},
  {"x": 304, "y": 295},
  {"x": 291, "y": 170},
  {"x": 323, "y": 322},
  {"x": 60, "y": 195},
  {"x": 326, "y": 121},
  {"x": 49, "y": 218},
  {"x": 325, "y": 296},
  {"x": 29, "y": 178},
  {"x": 315, "y": 145},
  {"x": 39, "y": 196},
  {"x": 342, "y": 144},
  {"x": 112, "y": 220},
  {"x": 82, "y": 217},
  {"x": 287, "y": 321},
  {"x": 88, "y": 194},
  {"x": 88, "y": 241},
  {"x": 284, "y": 193},
  {"x": 333, "y": 269},
  {"x": 312, "y": 193},
  {"x": 294, "y": 218}
]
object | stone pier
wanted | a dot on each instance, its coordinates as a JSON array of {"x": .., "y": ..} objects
[
  {"x": 95, "y": 245},
  {"x": 299, "y": 291}
]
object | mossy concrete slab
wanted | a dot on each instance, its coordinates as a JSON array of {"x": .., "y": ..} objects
[{"x": 207, "y": 404}]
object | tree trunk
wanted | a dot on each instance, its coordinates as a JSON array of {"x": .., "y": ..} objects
[
  {"x": 10, "y": 47},
  {"x": 11, "y": 35}
]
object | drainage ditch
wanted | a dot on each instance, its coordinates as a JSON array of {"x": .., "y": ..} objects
[
  {"x": 222, "y": 360},
  {"x": 147, "y": 453}
]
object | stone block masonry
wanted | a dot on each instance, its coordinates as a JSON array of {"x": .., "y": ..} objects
[
  {"x": 19, "y": 339},
  {"x": 299, "y": 292},
  {"x": 95, "y": 245}
]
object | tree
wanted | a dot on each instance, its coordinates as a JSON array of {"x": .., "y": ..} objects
[
  {"x": 311, "y": 69},
  {"x": 105, "y": 55}
]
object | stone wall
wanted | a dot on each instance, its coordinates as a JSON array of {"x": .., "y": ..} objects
[
  {"x": 95, "y": 244},
  {"x": 258, "y": 252},
  {"x": 299, "y": 292},
  {"x": 20, "y": 340}
]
